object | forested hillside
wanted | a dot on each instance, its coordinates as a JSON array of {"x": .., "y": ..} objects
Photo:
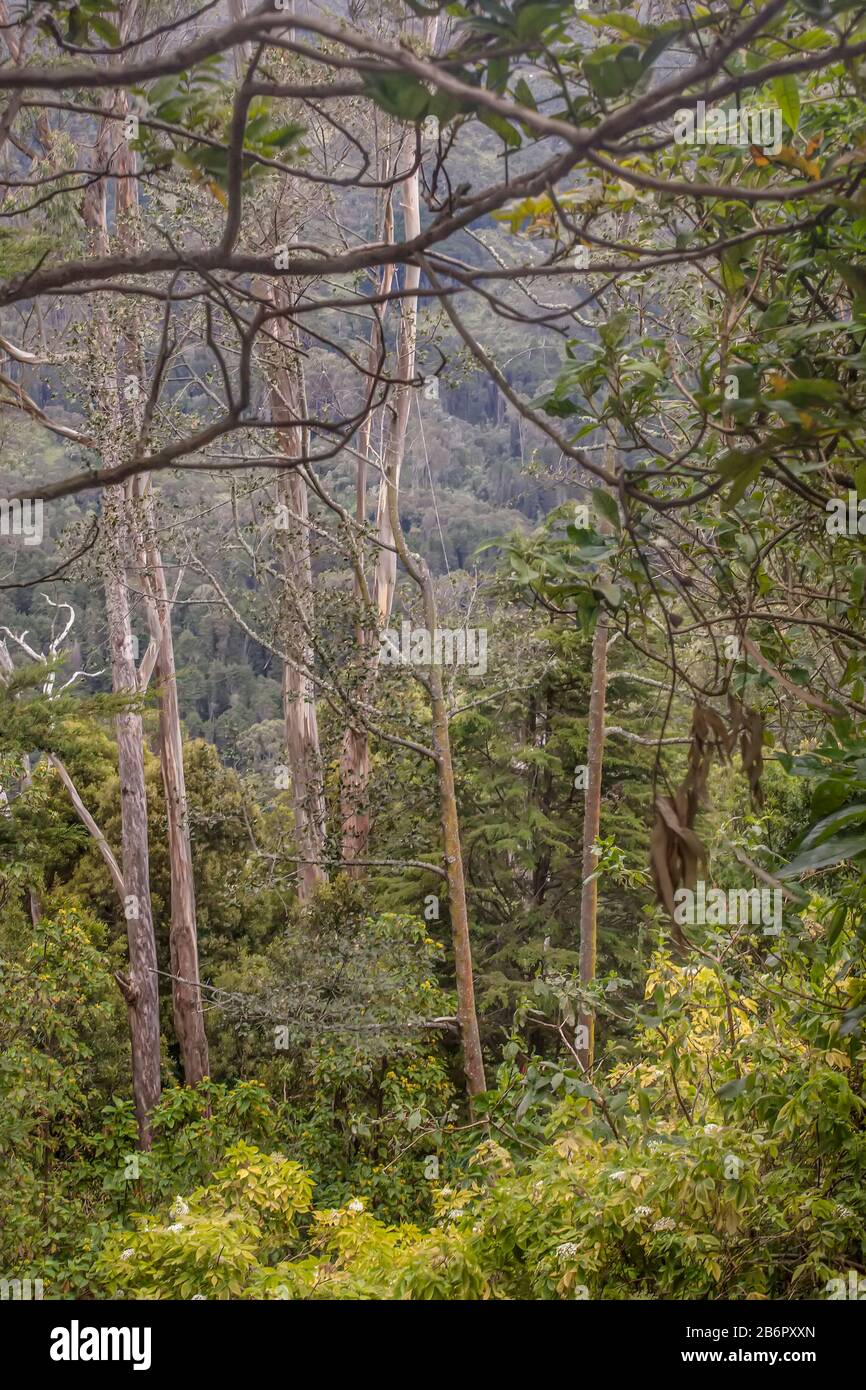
[{"x": 432, "y": 650}]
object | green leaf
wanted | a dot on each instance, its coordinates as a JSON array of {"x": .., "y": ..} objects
[
  {"x": 854, "y": 277},
  {"x": 605, "y": 506},
  {"x": 532, "y": 20},
  {"x": 731, "y": 1089},
  {"x": 851, "y": 1020},
  {"x": 504, "y": 129},
  {"x": 523, "y": 93},
  {"x": 837, "y": 820},
  {"x": 611, "y": 593},
  {"x": 825, "y": 855},
  {"x": 742, "y": 482},
  {"x": 398, "y": 94},
  {"x": 732, "y": 277},
  {"x": 787, "y": 94}
]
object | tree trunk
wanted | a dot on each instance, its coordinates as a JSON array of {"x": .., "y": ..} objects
[
  {"x": 183, "y": 932},
  {"x": 473, "y": 1059},
  {"x": 355, "y": 760},
  {"x": 299, "y": 702},
  {"x": 183, "y": 936},
  {"x": 591, "y": 821},
  {"x": 355, "y": 752},
  {"x": 140, "y": 989}
]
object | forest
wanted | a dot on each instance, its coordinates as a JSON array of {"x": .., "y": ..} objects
[{"x": 433, "y": 650}]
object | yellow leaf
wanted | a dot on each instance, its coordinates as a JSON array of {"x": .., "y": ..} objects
[{"x": 837, "y": 1059}]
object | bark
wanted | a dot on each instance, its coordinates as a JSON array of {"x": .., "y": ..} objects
[
  {"x": 473, "y": 1059},
  {"x": 183, "y": 934},
  {"x": 140, "y": 989},
  {"x": 299, "y": 703},
  {"x": 355, "y": 752},
  {"x": 355, "y": 762},
  {"x": 591, "y": 821},
  {"x": 395, "y": 446}
]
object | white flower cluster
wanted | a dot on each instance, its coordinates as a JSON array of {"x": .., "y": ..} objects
[
  {"x": 179, "y": 1208},
  {"x": 643, "y": 1211},
  {"x": 355, "y": 1205},
  {"x": 567, "y": 1251},
  {"x": 665, "y": 1223}
]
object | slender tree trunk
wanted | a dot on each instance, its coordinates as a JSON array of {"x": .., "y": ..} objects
[
  {"x": 473, "y": 1059},
  {"x": 183, "y": 936},
  {"x": 355, "y": 760},
  {"x": 591, "y": 822},
  {"x": 183, "y": 932},
  {"x": 140, "y": 989},
  {"x": 355, "y": 764},
  {"x": 299, "y": 701},
  {"x": 355, "y": 752}
]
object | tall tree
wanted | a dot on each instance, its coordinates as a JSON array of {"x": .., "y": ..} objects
[{"x": 288, "y": 410}]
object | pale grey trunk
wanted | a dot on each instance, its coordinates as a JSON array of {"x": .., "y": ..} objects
[
  {"x": 591, "y": 823},
  {"x": 299, "y": 702},
  {"x": 183, "y": 936},
  {"x": 140, "y": 989}
]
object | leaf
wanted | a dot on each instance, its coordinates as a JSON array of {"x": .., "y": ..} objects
[
  {"x": 837, "y": 922},
  {"x": 611, "y": 593},
  {"x": 732, "y": 1088},
  {"x": 742, "y": 482},
  {"x": 825, "y": 855},
  {"x": 809, "y": 390},
  {"x": 851, "y": 1021},
  {"x": 398, "y": 94},
  {"x": 837, "y": 820},
  {"x": 497, "y": 73},
  {"x": 605, "y": 506},
  {"x": 787, "y": 94},
  {"x": 523, "y": 93},
  {"x": 504, "y": 129},
  {"x": 532, "y": 20},
  {"x": 732, "y": 277},
  {"x": 854, "y": 277}
]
